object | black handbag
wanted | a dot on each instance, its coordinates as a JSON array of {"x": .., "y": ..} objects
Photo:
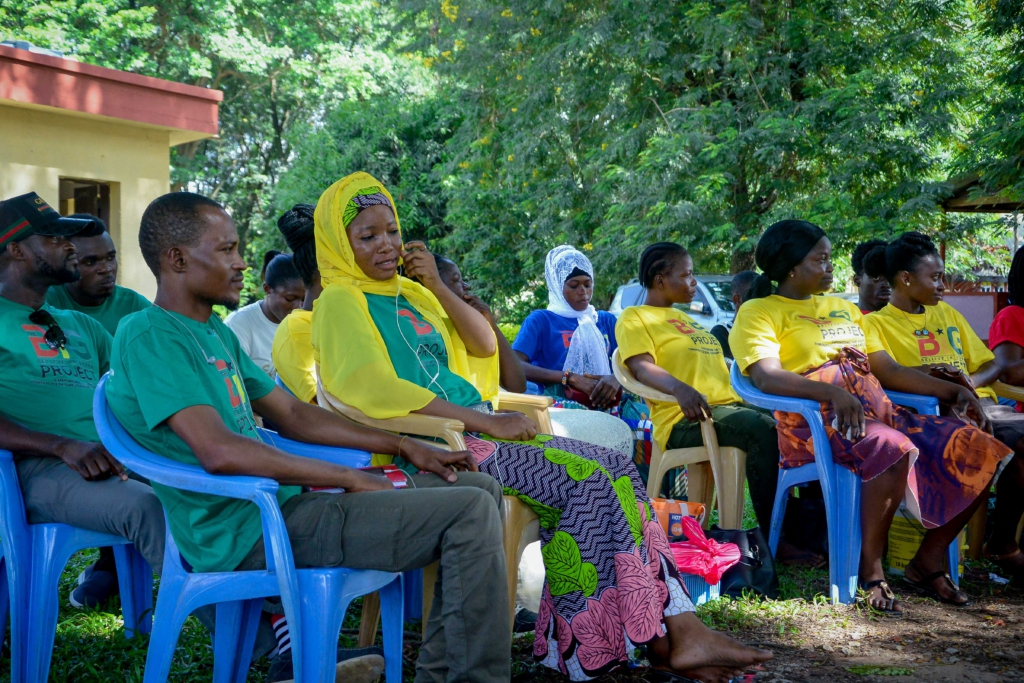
[{"x": 756, "y": 568}]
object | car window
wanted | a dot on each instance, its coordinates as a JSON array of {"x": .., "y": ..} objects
[
  {"x": 722, "y": 291},
  {"x": 698, "y": 298}
]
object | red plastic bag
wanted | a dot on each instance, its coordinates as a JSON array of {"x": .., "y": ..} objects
[{"x": 702, "y": 556}]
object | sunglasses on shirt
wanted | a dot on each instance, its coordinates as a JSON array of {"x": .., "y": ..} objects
[{"x": 54, "y": 337}]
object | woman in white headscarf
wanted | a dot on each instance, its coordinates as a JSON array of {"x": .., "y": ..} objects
[{"x": 566, "y": 349}]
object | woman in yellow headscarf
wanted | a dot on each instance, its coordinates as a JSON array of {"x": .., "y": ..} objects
[{"x": 389, "y": 346}]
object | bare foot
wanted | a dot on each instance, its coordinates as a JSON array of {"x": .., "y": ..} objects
[{"x": 695, "y": 646}]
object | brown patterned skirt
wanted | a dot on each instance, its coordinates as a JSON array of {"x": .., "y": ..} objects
[{"x": 952, "y": 463}]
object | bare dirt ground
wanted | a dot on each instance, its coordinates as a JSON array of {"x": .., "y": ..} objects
[{"x": 814, "y": 641}]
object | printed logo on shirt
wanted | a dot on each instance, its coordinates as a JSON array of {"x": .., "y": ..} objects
[
  {"x": 567, "y": 338},
  {"x": 837, "y": 330},
  {"x": 702, "y": 340},
  {"x": 421, "y": 327},
  {"x": 236, "y": 390},
  {"x": 71, "y": 366},
  {"x": 930, "y": 348}
]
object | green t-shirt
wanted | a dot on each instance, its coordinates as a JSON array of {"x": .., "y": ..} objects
[
  {"x": 417, "y": 350},
  {"x": 122, "y": 302},
  {"x": 163, "y": 363},
  {"x": 50, "y": 390}
]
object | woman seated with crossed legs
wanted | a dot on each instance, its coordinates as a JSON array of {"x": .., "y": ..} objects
[
  {"x": 795, "y": 342},
  {"x": 922, "y": 331},
  {"x": 389, "y": 346}
]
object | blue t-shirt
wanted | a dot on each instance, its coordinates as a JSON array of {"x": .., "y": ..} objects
[{"x": 545, "y": 336}]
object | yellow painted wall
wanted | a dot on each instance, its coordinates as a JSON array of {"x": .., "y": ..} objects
[{"x": 38, "y": 147}]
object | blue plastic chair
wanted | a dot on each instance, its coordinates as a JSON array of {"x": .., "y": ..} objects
[
  {"x": 839, "y": 486},
  {"x": 412, "y": 581},
  {"x": 33, "y": 556},
  {"x": 314, "y": 600}
]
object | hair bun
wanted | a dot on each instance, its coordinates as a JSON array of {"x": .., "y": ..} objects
[{"x": 296, "y": 225}]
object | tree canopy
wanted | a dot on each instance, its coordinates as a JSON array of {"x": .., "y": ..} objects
[{"x": 506, "y": 128}]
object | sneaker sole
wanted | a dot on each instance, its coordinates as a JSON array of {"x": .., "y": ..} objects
[{"x": 366, "y": 669}]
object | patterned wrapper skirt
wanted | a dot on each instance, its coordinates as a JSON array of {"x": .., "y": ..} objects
[
  {"x": 610, "y": 576},
  {"x": 952, "y": 463}
]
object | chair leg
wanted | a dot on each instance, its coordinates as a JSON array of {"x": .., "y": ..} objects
[
  {"x": 370, "y": 619},
  {"x": 778, "y": 514},
  {"x": 169, "y": 618},
  {"x": 700, "y": 485},
  {"x": 953, "y": 559},
  {"x": 135, "y": 581},
  {"x": 323, "y": 606},
  {"x": 845, "y": 543},
  {"x": 656, "y": 472},
  {"x": 392, "y": 608},
  {"x": 234, "y": 637},
  {"x": 41, "y": 620},
  {"x": 733, "y": 466}
]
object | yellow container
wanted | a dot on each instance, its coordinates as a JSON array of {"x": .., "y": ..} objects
[{"x": 905, "y": 536}]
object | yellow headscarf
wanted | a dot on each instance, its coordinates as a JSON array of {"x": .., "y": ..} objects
[{"x": 353, "y": 368}]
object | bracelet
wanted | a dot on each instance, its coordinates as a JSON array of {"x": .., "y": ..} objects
[
  {"x": 404, "y": 437},
  {"x": 565, "y": 378}
]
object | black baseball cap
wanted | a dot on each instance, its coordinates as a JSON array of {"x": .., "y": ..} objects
[{"x": 27, "y": 215}]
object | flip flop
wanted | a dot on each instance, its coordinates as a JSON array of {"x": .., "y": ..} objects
[
  {"x": 888, "y": 608},
  {"x": 924, "y": 587}
]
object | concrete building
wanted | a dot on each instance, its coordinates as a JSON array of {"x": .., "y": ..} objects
[{"x": 96, "y": 140}]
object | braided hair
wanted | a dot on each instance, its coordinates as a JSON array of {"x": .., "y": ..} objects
[
  {"x": 906, "y": 253},
  {"x": 1015, "y": 280},
  {"x": 873, "y": 261},
  {"x": 657, "y": 259},
  {"x": 296, "y": 224}
]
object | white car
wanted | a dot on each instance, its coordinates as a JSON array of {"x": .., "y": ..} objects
[{"x": 711, "y": 305}]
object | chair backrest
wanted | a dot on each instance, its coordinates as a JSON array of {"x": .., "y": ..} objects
[
  {"x": 633, "y": 385},
  {"x": 14, "y": 531},
  {"x": 443, "y": 428}
]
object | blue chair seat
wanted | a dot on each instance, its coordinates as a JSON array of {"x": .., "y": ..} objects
[
  {"x": 839, "y": 486},
  {"x": 33, "y": 557},
  {"x": 314, "y": 600}
]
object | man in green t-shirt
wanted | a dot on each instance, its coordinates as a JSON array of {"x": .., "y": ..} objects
[
  {"x": 183, "y": 388},
  {"x": 50, "y": 363},
  {"x": 96, "y": 293}
]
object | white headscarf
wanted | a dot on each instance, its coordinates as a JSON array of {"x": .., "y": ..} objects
[{"x": 588, "y": 352}]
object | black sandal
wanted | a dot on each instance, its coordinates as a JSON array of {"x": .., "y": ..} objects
[
  {"x": 924, "y": 587},
  {"x": 889, "y": 607}
]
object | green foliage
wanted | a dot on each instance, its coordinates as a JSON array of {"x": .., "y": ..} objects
[
  {"x": 616, "y": 124},
  {"x": 280, "y": 65}
]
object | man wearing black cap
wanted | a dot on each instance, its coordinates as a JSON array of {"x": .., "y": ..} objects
[{"x": 50, "y": 363}]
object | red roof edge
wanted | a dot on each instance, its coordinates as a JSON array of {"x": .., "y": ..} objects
[{"x": 37, "y": 79}]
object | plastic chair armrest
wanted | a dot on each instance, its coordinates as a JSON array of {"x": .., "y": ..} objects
[
  {"x": 633, "y": 385},
  {"x": 349, "y": 457},
  {"x": 1009, "y": 391},
  {"x": 533, "y": 407},
  {"x": 744, "y": 386},
  {"x": 923, "y": 404},
  {"x": 449, "y": 430},
  {"x": 507, "y": 398}
]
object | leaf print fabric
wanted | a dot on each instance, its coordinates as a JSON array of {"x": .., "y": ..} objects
[{"x": 610, "y": 574}]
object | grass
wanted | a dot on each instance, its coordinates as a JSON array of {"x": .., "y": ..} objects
[{"x": 90, "y": 645}]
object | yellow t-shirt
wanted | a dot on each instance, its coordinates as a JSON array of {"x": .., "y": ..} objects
[
  {"x": 801, "y": 334},
  {"x": 686, "y": 350},
  {"x": 292, "y": 354},
  {"x": 950, "y": 339}
]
